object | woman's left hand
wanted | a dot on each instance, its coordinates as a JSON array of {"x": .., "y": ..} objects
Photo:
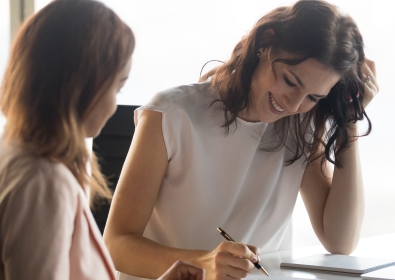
[
  {"x": 371, "y": 85},
  {"x": 183, "y": 271}
]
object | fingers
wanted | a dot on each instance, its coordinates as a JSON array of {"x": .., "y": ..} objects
[
  {"x": 371, "y": 84},
  {"x": 371, "y": 65},
  {"x": 370, "y": 81},
  {"x": 369, "y": 70},
  {"x": 235, "y": 259},
  {"x": 188, "y": 271},
  {"x": 229, "y": 261},
  {"x": 256, "y": 251},
  {"x": 183, "y": 271},
  {"x": 232, "y": 265},
  {"x": 240, "y": 250}
]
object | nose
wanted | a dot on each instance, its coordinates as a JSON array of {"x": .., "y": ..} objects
[{"x": 292, "y": 101}]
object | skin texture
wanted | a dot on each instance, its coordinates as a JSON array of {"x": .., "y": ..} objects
[
  {"x": 106, "y": 106},
  {"x": 334, "y": 202},
  {"x": 183, "y": 271}
]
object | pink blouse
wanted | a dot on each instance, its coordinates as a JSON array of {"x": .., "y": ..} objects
[{"x": 47, "y": 230}]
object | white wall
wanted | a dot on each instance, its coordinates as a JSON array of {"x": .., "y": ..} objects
[{"x": 176, "y": 37}]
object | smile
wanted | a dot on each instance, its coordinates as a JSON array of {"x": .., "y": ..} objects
[{"x": 275, "y": 105}]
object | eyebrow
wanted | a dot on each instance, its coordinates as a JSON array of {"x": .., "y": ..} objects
[
  {"x": 124, "y": 79},
  {"x": 302, "y": 85}
]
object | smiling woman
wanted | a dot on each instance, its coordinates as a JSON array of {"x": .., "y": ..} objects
[
  {"x": 285, "y": 90},
  {"x": 210, "y": 33},
  {"x": 236, "y": 148}
]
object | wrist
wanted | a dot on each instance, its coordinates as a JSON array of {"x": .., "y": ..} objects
[{"x": 353, "y": 132}]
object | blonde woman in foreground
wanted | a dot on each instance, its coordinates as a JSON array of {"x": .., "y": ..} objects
[{"x": 66, "y": 66}]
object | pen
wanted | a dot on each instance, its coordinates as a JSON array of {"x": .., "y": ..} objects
[{"x": 227, "y": 237}]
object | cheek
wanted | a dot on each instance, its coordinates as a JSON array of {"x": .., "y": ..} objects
[
  {"x": 276, "y": 88},
  {"x": 114, "y": 104},
  {"x": 111, "y": 103}
]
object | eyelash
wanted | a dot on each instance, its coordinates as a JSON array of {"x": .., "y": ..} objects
[
  {"x": 313, "y": 99},
  {"x": 288, "y": 82}
]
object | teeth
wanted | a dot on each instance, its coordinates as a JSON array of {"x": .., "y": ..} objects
[{"x": 275, "y": 105}]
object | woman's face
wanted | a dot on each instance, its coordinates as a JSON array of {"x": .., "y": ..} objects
[
  {"x": 106, "y": 106},
  {"x": 284, "y": 90}
]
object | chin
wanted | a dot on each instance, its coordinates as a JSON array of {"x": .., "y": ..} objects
[
  {"x": 268, "y": 119},
  {"x": 96, "y": 134},
  {"x": 93, "y": 134}
]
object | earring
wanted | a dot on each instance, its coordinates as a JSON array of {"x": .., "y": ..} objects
[{"x": 258, "y": 54}]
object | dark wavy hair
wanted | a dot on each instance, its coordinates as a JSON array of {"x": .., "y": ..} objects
[
  {"x": 62, "y": 61},
  {"x": 307, "y": 29}
]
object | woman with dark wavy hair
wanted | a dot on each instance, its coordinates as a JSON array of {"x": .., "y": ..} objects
[
  {"x": 235, "y": 149},
  {"x": 66, "y": 66}
]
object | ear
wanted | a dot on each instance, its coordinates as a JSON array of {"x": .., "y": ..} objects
[
  {"x": 269, "y": 32},
  {"x": 268, "y": 37},
  {"x": 266, "y": 41},
  {"x": 264, "y": 53}
]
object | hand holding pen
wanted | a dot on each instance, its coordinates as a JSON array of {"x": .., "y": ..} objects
[
  {"x": 227, "y": 237},
  {"x": 228, "y": 261}
]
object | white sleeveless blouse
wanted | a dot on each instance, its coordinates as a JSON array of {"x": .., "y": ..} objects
[{"x": 218, "y": 180}]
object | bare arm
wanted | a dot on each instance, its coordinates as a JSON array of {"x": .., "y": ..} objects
[
  {"x": 132, "y": 206},
  {"x": 335, "y": 201},
  {"x": 336, "y": 206}
]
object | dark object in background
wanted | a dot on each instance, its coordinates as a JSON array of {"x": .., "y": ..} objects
[{"x": 111, "y": 148}]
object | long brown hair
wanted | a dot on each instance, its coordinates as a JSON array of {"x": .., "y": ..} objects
[
  {"x": 62, "y": 58},
  {"x": 307, "y": 29}
]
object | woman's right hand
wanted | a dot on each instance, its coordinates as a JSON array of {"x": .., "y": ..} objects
[
  {"x": 230, "y": 260},
  {"x": 183, "y": 271}
]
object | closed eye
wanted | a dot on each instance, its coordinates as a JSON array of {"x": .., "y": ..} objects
[
  {"x": 288, "y": 82},
  {"x": 312, "y": 98}
]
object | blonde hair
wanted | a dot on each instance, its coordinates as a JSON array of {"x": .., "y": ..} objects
[{"x": 62, "y": 59}]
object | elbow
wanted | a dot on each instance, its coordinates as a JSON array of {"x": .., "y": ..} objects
[
  {"x": 109, "y": 240},
  {"x": 114, "y": 253},
  {"x": 341, "y": 247},
  {"x": 340, "y": 250}
]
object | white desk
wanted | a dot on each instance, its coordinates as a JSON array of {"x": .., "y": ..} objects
[{"x": 382, "y": 246}]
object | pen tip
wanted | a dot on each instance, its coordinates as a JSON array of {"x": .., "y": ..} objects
[{"x": 264, "y": 271}]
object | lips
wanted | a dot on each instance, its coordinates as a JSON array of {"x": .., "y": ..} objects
[{"x": 276, "y": 108}]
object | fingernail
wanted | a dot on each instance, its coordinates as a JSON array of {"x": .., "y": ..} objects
[
  {"x": 254, "y": 259},
  {"x": 259, "y": 258}
]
